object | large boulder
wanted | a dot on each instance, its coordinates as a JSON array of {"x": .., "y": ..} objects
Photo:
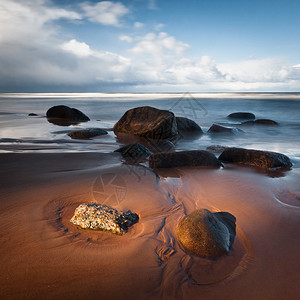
[
  {"x": 134, "y": 152},
  {"x": 191, "y": 158},
  {"x": 97, "y": 216},
  {"x": 215, "y": 128},
  {"x": 242, "y": 115},
  {"x": 64, "y": 116},
  {"x": 188, "y": 128},
  {"x": 257, "y": 158},
  {"x": 148, "y": 122},
  {"x": 85, "y": 134},
  {"x": 207, "y": 234}
]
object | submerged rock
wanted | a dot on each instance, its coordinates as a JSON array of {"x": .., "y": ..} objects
[
  {"x": 207, "y": 234},
  {"x": 148, "y": 122},
  {"x": 32, "y": 115},
  {"x": 257, "y": 158},
  {"x": 64, "y": 116},
  {"x": 97, "y": 216},
  {"x": 188, "y": 128},
  {"x": 221, "y": 129},
  {"x": 241, "y": 115},
  {"x": 191, "y": 158},
  {"x": 261, "y": 122},
  {"x": 85, "y": 134},
  {"x": 134, "y": 152}
]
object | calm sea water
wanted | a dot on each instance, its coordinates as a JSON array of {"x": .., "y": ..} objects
[{"x": 22, "y": 133}]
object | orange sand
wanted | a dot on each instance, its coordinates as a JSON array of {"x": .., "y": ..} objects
[{"x": 43, "y": 256}]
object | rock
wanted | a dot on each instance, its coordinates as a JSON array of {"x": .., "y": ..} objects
[
  {"x": 241, "y": 115},
  {"x": 134, "y": 152},
  {"x": 188, "y": 128},
  {"x": 207, "y": 234},
  {"x": 221, "y": 129},
  {"x": 148, "y": 122},
  {"x": 85, "y": 134},
  {"x": 161, "y": 146},
  {"x": 183, "y": 159},
  {"x": 261, "y": 122},
  {"x": 64, "y": 116},
  {"x": 32, "y": 115},
  {"x": 97, "y": 216},
  {"x": 257, "y": 158}
]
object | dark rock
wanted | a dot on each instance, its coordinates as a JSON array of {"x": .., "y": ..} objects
[
  {"x": 257, "y": 158},
  {"x": 97, "y": 216},
  {"x": 64, "y": 116},
  {"x": 85, "y": 134},
  {"x": 148, "y": 122},
  {"x": 32, "y": 115},
  {"x": 161, "y": 146},
  {"x": 188, "y": 128},
  {"x": 221, "y": 129},
  {"x": 241, "y": 115},
  {"x": 134, "y": 152},
  {"x": 183, "y": 159},
  {"x": 261, "y": 122},
  {"x": 207, "y": 234}
]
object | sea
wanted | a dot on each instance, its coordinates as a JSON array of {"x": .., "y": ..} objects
[{"x": 20, "y": 132}]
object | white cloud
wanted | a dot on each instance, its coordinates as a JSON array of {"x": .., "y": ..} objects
[
  {"x": 158, "y": 45},
  {"x": 105, "y": 12},
  {"x": 27, "y": 20},
  {"x": 126, "y": 38},
  {"x": 138, "y": 25},
  {"x": 77, "y": 48}
]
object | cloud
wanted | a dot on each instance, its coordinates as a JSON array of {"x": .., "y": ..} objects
[
  {"x": 77, "y": 48},
  {"x": 105, "y": 12},
  {"x": 138, "y": 25},
  {"x": 126, "y": 38},
  {"x": 30, "y": 20},
  {"x": 159, "y": 27},
  {"x": 158, "y": 45}
]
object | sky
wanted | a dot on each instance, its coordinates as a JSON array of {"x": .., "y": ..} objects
[{"x": 150, "y": 46}]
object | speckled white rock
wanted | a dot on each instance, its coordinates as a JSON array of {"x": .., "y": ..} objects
[{"x": 95, "y": 216}]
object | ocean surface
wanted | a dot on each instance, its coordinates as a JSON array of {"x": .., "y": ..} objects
[{"x": 22, "y": 133}]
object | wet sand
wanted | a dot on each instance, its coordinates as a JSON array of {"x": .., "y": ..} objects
[{"x": 44, "y": 256}]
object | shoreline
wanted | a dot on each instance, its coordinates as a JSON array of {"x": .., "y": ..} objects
[{"x": 42, "y": 254}]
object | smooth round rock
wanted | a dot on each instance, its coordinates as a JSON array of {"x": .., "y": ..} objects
[
  {"x": 191, "y": 158},
  {"x": 242, "y": 115},
  {"x": 256, "y": 158},
  {"x": 207, "y": 234},
  {"x": 148, "y": 122},
  {"x": 85, "y": 134}
]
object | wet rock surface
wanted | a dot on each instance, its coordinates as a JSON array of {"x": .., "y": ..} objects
[
  {"x": 187, "y": 128},
  {"x": 64, "y": 116},
  {"x": 257, "y": 158},
  {"x": 242, "y": 115},
  {"x": 191, "y": 158},
  {"x": 134, "y": 152},
  {"x": 207, "y": 234},
  {"x": 95, "y": 216},
  {"x": 147, "y": 122},
  {"x": 85, "y": 134},
  {"x": 215, "y": 128},
  {"x": 261, "y": 122}
]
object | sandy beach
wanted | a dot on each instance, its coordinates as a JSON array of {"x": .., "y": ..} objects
[{"x": 44, "y": 256}]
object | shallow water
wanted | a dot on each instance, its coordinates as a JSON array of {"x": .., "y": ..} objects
[{"x": 19, "y": 132}]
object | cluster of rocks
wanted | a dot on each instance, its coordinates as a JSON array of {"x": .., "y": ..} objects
[{"x": 202, "y": 232}]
